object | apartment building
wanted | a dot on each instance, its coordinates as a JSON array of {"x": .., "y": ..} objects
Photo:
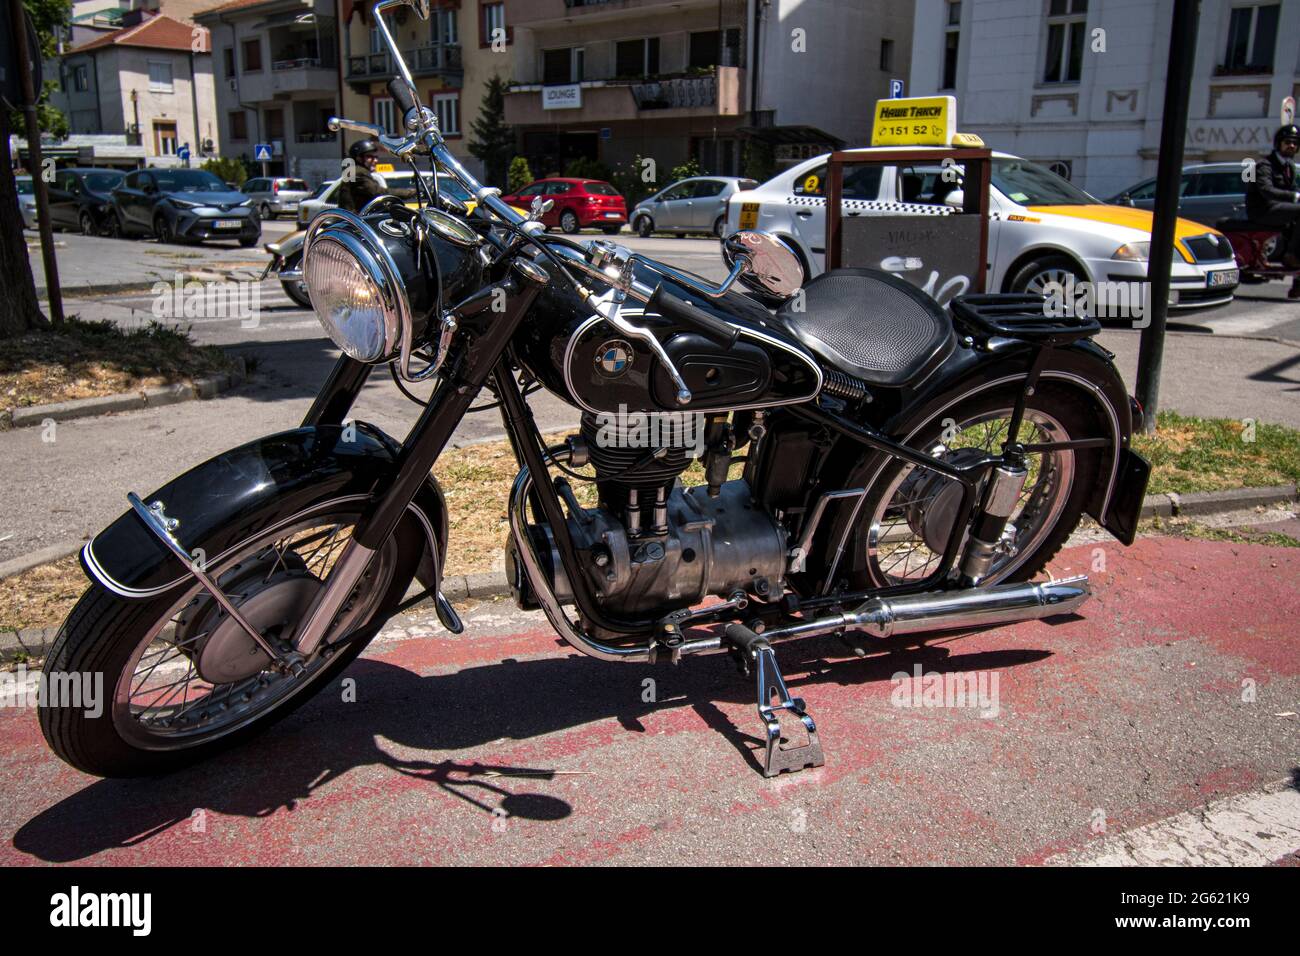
[
  {"x": 149, "y": 81},
  {"x": 1079, "y": 85},
  {"x": 276, "y": 66},
  {"x": 449, "y": 57}
]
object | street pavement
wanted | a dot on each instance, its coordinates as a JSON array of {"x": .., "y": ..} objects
[
  {"x": 1159, "y": 724},
  {"x": 1225, "y": 362}
]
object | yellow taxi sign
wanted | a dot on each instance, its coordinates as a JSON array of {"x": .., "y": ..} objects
[
  {"x": 384, "y": 167},
  {"x": 915, "y": 121}
]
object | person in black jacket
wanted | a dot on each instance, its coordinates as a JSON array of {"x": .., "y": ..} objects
[
  {"x": 361, "y": 183},
  {"x": 1274, "y": 197}
]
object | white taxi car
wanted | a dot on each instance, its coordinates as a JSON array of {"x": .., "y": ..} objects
[{"x": 1043, "y": 229}]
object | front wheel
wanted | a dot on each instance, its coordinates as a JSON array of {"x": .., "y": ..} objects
[
  {"x": 295, "y": 289},
  {"x": 181, "y": 681},
  {"x": 909, "y": 512},
  {"x": 1036, "y": 276},
  {"x": 644, "y": 226}
]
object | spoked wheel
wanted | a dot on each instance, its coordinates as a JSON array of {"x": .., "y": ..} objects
[
  {"x": 909, "y": 515},
  {"x": 181, "y": 680}
]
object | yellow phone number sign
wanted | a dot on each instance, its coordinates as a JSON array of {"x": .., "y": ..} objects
[{"x": 919, "y": 121}]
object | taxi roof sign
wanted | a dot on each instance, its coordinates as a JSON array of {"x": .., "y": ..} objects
[{"x": 915, "y": 121}]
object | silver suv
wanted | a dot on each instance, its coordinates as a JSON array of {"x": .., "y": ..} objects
[
  {"x": 698, "y": 204},
  {"x": 276, "y": 195}
]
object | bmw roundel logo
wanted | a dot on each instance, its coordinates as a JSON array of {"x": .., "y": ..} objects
[{"x": 614, "y": 357}]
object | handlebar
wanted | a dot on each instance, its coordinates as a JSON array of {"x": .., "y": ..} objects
[{"x": 686, "y": 312}]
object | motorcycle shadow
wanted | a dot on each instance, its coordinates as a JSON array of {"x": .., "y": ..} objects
[{"x": 394, "y": 712}]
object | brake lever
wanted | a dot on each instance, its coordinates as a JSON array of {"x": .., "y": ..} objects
[{"x": 610, "y": 308}]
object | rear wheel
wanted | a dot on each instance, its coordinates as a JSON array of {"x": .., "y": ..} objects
[
  {"x": 569, "y": 221},
  {"x": 266, "y": 212},
  {"x": 181, "y": 681},
  {"x": 909, "y": 513},
  {"x": 719, "y": 227}
]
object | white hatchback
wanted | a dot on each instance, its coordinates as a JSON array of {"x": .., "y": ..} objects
[{"x": 1042, "y": 229}]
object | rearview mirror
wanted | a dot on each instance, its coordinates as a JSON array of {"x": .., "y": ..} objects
[
  {"x": 771, "y": 267},
  {"x": 956, "y": 199}
]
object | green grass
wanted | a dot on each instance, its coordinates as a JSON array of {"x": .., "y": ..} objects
[{"x": 1212, "y": 454}]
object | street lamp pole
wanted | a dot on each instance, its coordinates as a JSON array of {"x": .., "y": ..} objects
[{"x": 1169, "y": 174}]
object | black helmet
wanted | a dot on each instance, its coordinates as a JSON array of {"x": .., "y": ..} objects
[
  {"x": 362, "y": 147},
  {"x": 1289, "y": 131}
]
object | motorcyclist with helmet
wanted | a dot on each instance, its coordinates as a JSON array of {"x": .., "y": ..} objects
[
  {"x": 1273, "y": 199},
  {"x": 361, "y": 183}
]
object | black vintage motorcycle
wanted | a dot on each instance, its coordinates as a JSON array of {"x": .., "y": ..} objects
[{"x": 904, "y": 470}]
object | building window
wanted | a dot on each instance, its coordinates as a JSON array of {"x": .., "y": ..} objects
[
  {"x": 384, "y": 113},
  {"x": 160, "y": 77},
  {"x": 1252, "y": 35},
  {"x": 951, "y": 41},
  {"x": 164, "y": 138},
  {"x": 442, "y": 26},
  {"x": 80, "y": 78},
  {"x": 491, "y": 19},
  {"x": 557, "y": 66},
  {"x": 713, "y": 48},
  {"x": 252, "y": 50},
  {"x": 239, "y": 126},
  {"x": 887, "y": 56},
  {"x": 447, "y": 107},
  {"x": 228, "y": 62},
  {"x": 636, "y": 58},
  {"x": 1066, "y": 26}
]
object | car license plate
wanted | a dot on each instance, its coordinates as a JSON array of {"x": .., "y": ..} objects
[
  {"x": 749, "y": 215},
  {"x": 1223, "y": 277},
  {"x": 226, "y": 224},
  {"x": 612, "y": 215}
]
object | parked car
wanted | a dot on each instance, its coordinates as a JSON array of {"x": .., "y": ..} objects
[
  {"x": 1042, "y": 228},
  {"x": 27, "y": 200},
  {"x": 1209, "y": 192},
  {"x": 274, "y": 196},
  {"x": 576, "y": 204},
  {"x": 698, "y": 204},
  {"x": 182, "y": 205},
  {"x": 82, "y": 199}
]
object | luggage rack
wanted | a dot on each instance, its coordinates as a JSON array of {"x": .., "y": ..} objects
[{"x": 1019, "y": 315}]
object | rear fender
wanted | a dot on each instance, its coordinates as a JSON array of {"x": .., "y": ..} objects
[{"x": 247, "y": 491}]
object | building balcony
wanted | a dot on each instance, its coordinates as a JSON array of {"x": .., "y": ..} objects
[
  {"x": 663, "y": 97},
  {"x": 531, "y": 13},
  {"x": 432, "y": 59},
  {"x": 302, "y": 76}
]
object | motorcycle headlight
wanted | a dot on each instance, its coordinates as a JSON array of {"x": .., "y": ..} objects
[{"x": 355, "y": 288}]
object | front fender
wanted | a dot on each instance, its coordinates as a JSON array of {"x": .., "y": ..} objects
[{"x": 244, "y": 492}]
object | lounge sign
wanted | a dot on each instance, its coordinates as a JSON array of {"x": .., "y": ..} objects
[
  {"x": 916, "y": 121},
  {"x": 567, "y": 97}
]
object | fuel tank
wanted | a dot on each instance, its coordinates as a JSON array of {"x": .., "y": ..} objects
[{"x": 592, "y": 365}]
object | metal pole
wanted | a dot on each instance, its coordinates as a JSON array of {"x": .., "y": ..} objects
[
  {"x": 1173, "y": 130},
  {"x": 52, "y": 289}
]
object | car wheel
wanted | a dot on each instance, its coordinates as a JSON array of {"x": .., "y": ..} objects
[
  {"x": 569, "y": 221},
  {"x": 87, "y": 224},
  {"x": 719, "y": 226},
  {"x": 265, "y": 211},
  {"x": 162, "y": 230},
  {"x": 246, "y": 241},
  {"x": 1035, "y": 276},
  {"x": 114, "y": 226},
  {"x": 644, "y": 226}
]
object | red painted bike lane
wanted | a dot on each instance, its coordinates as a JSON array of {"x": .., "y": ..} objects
[{"x": 502, "y": 746}]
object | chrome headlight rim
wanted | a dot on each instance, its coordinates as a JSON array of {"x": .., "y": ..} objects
[{"x": 351, "y": 232}]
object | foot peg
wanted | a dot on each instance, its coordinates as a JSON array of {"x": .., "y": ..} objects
[{"x": 773, "y": 697}]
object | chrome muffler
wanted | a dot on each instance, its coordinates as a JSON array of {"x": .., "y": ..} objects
[{"x": 949, "y": 610}]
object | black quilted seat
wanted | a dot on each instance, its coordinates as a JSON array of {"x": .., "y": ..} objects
[{"x": 872, "y": 325}]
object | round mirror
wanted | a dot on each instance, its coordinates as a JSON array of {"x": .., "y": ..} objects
[
  {"x": 450, "y": 228},
  {"x": 771, "y": 266}
]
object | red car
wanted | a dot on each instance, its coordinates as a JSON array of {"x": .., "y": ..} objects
[{"x": 578, "y": 204}]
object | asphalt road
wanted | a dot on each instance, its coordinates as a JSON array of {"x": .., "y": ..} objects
[{"x": 1159, "y": 725}]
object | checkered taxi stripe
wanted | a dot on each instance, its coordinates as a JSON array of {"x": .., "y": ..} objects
[{"x": 874, "y": 205}]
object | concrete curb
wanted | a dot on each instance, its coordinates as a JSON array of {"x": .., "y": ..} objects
[
  {"x": 202, "y": 388},
  {"x": 34, "y": 642}
]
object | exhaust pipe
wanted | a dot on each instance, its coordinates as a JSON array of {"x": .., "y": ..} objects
[{"x": 949, "y": 610}]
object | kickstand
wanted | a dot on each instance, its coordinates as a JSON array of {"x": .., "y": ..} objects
[{"x": 773, "y": 698}]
